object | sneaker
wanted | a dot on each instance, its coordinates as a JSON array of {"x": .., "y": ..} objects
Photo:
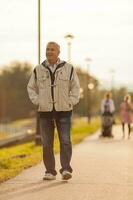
[
  {"x": 66, "y": 175},
  {"x": 49, "y": 176}
]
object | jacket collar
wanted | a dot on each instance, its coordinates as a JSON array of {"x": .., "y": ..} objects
[{"x": 59, "y": 63}]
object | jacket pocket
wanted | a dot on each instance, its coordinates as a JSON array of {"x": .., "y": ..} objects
[
  {"x": 64, "y": 81},
  {"x": 42, "y": 81}
]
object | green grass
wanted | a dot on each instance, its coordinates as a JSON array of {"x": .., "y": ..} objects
[
  {"x": 14, "y": 159},
  {"x": 82, "y": 129}
]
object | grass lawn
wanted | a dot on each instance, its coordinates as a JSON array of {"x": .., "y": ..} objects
[{"x": 14, "y": 159}]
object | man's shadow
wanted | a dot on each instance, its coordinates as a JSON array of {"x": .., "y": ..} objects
[{"x": 31, "y": 188}]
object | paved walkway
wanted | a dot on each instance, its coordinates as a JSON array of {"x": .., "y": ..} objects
[{"x": 103, "y": 170}]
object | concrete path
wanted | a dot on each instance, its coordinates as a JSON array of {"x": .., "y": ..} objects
[{"x": 103, "y": 170}]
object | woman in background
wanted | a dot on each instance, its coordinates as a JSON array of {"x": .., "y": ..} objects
[
  {"x": 107, "y": 111},
  {"x": 126, "y": 108}
]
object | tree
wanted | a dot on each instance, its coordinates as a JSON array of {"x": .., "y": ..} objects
[{"x": 13, "y": 91}]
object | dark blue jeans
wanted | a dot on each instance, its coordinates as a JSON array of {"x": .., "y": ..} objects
[{"x": 47, "y": 126}]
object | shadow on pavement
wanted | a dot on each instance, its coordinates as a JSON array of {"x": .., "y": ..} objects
[{"x": 30, "y": 188}]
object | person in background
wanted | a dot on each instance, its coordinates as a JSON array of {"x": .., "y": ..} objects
[
  {"x": 54, "y": 88},
  {"x": 126, "y": 108},
  {"x": 107, "y": 111}
]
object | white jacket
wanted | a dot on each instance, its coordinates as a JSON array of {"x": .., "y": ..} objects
[{"x": 66, "y": 91}]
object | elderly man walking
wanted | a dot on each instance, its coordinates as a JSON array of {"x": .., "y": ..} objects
[{"x": 54, "y": 88}]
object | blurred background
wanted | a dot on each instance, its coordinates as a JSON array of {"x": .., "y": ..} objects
[{"x": 96, "y": 36}]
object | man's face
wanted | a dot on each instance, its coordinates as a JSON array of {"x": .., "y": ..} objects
[{"x": 52, "y": 53}]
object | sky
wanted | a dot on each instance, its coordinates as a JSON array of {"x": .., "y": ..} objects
[{"x": 102, "y": 30}]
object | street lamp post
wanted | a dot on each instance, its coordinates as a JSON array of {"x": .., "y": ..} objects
[
  {"x": 90, "y": 87},
  {"x": 88, "y": 62},
  {"x": 38, "y": 134},
  {"x": 39, "y": 31},
  {"x": 112, "y": 73},
  {"x": 69, "y": 38}
]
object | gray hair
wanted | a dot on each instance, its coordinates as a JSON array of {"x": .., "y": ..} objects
[{"x": 54, "y": 43}]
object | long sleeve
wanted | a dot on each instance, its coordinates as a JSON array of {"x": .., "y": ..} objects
[
  {"x": 33, "y": 90},
  {"x": 74, "y": 89},
  {"x": 112, "y": 106}
]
